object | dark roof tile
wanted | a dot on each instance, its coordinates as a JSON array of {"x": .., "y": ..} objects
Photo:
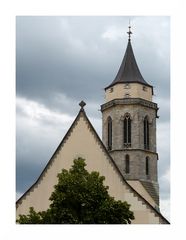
[{"x": 129, "y": 71}]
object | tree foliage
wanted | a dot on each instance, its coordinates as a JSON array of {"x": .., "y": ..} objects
[{"x": 80, "y": 197}]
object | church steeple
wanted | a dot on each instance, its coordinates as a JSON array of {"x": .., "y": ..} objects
[
  {"x": 129, "y": 126},
  {"x": 129, "y": 71}
]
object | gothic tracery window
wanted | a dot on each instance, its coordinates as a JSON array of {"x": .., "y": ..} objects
[
  {"x": 109, "y": 122},
  {"x": 146, "y": 133},
  {"x": 127, "y": 131}
]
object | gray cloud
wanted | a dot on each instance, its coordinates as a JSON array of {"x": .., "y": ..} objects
[
  {"x": 68, "y": 55},
  {"x": 62, "y": 60},
  {"x": 26, "y": 174}
]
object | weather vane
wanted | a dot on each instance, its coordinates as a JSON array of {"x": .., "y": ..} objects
[{"x": 129, "y": 32}]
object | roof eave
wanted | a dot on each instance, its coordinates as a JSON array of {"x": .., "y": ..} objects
[{"x": 113, "y": 84}]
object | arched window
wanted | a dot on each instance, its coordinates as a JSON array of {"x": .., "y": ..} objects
[
  {"x": 146, "y": 133},
  {"x": 109, "y": 122},
  {"x": 127, "y": 164},
  {"x": 127, "y": 131},
  {"x": 147, "y": 165}
]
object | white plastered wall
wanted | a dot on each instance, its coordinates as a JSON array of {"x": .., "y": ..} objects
[
  {"x": 83, "y": 142},
  {"x": 135, "y": 90}
]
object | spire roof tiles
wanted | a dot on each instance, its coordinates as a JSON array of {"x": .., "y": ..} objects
[{"x": 129, "y": 71}]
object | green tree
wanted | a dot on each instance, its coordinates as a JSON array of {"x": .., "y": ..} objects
[{"x": 80, "y": 197}]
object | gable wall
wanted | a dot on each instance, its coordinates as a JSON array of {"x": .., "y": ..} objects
[{"x": 82, "y": 143}]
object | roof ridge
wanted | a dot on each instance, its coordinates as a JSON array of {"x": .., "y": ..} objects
[
  {"x": 82, "y": 112},
  {"x": 53, "y": 155},
  {"x": 130, "y": 187}
]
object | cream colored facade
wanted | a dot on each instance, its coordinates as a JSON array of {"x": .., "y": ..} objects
[
  {"x": 128, "y": 90},
  {"x": 82, "y": 141}
]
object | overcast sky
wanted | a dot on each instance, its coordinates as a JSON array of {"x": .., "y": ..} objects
[{"x": 63, "y": 60}]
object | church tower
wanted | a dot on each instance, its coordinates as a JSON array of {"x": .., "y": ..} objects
[{"x": 129, "y": 127}]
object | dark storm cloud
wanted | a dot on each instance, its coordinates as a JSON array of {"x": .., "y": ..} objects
[
  {"x": 62, "y": 60},
  {"x": 68, "y": 55},
  {"x": 32, "y": 154},
  {"x": 26, "y": 174},
  {"x": 51, "y": 59}
]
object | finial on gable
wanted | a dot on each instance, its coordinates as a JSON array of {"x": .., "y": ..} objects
[{"x": 82, "y": 104}]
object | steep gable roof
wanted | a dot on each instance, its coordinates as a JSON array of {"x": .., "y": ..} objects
[{"x": 84, "y": 116}]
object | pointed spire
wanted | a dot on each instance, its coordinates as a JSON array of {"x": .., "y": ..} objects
[{"x": 129, "y": 71}]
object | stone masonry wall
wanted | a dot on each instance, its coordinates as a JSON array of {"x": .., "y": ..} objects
[
  {"x": 136, "y": 151},
  {"x": 138, "y": 114}
]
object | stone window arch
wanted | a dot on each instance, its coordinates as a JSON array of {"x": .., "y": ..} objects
[{"x": 109, "y": 132}]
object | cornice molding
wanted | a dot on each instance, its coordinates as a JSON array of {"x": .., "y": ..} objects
[
  {"x": 134, "y": 149},
  {"x": 129, "y": 101}
]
